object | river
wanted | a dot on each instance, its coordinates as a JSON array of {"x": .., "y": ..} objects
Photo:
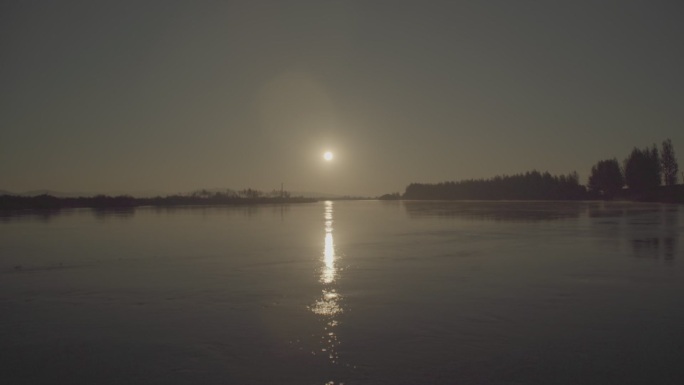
[{"x": 344, "y": 292}]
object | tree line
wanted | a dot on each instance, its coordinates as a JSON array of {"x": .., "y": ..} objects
[
  {"x": 200, "y": 197},
  {"x": 532, "y": 185},
  {"x": 643, "y": 172}
]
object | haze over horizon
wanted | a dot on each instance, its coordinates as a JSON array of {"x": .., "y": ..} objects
[{"x": 175, "y": 96}]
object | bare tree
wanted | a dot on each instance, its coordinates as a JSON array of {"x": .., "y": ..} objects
[{"x": 669, "y": 163}]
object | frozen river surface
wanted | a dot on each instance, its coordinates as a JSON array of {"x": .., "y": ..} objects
[{"x": 363, "y": 292}]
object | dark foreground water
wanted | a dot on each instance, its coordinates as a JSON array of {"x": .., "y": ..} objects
[{"x": 360, "y": 292}]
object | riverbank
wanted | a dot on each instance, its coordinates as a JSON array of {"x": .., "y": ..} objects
[{"x": 48, "y": 202}]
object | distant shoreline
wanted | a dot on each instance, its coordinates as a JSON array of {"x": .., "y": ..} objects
[{"x": 49, "y": 202}]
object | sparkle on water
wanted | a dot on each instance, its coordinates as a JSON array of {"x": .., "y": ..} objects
[{"x": 328, "y": 305}]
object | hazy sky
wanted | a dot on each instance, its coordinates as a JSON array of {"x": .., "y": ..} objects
[{"x": 173, "y": 96}]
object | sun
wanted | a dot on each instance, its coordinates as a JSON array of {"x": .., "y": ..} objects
[{"x": 328, "y": 156}]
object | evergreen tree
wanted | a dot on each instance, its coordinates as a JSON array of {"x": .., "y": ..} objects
[
  {"x": 606, "y": 178},
  {"x": 642, "y": 170}
]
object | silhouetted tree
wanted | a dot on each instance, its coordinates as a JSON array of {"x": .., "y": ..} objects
[
  {"x": 531, "y": 185},
  {"x": 669, "y": 163},
  {"x": 392, "y": 196},
  {"x": 606, "y": 178},
  {"x": 250, "y": 193},
  {"x": 642, "y": 170}
]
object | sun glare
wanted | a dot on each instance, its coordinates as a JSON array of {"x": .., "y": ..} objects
[{"x": 328, "y": 156}]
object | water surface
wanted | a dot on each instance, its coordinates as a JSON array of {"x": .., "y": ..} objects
[{"x": 344, "y": 292}]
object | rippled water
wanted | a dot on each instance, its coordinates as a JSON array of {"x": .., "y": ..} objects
[{"x": 362, "y": 292}]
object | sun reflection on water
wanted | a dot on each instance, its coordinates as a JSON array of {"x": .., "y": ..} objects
[
  {"x": 329, "y": 304},
  {"x": 328, "y": 272}
]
